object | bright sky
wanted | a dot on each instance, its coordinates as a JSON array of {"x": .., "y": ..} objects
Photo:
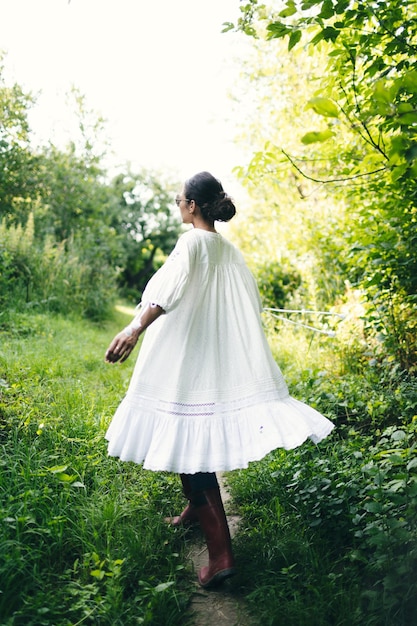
[{"x": 158, "y": 70}]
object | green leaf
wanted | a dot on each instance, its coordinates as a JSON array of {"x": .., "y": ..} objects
[
  {"x": 163, "y": 586},
  {"x": 317, "y": 38},
  {"x": 395, "y": 459},
  {"x": 308, "y": 4},
  {"x": 65, "y": 478},
  {"x": 382, "y": 92},
  {"x": 314, "y": 136},
  {"x": 341, "y": 6},
  {"x": 412, "y": 464},
  {"x": 336, "y": 53},
  {"x": 57, "y": 469},
  {"x": 294, "y": 39},
  {"x": 373, "y": 507},
  {"x": 291, "y": 9},
  {"x": 409, "y": 81},
  {"x": 398, "y": 171},
  {"x": 399, "y": 145},
  {"x": 323, "y": 106},
  {"x": 398, "y": 435},
  {"x": 408, "y": 118},
  {"x": 327, "y": 10},
  {"x": 277, "y": 30},
  {"x": 227, "y": 26},
  {"x": 330, "y": 33},
  {"x": 405, "y": 107},
  {"x": 396, "y": 485}
]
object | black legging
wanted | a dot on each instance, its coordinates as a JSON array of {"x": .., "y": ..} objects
[{"x": 198, "y": 483}]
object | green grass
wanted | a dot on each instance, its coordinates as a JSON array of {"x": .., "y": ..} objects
[
  {"x": 329, "y": 533},
  {"x": 82, "y": 536}
]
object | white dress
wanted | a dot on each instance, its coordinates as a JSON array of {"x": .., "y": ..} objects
[{"x": 206, "y": 394}]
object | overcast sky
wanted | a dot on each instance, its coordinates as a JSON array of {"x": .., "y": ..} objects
[{"x": 158, "y": 70}]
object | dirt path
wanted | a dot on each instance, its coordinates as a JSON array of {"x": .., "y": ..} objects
[{"x": 222, "y": 607}]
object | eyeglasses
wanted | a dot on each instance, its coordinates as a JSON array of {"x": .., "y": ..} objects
[{"x": 178, "y": 200}]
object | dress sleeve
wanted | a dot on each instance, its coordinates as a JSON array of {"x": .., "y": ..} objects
[{"x": 168, "y": 284}]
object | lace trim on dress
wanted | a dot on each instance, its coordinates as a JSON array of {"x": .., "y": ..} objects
[{"x": 216, "y": 408}]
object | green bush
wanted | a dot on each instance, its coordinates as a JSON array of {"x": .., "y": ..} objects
[
  {"x": 72, "y": 276},
  {"x": 277, "y": 282},
  {"x": 333, "y": 525},
  {"x": 329, "y": 532}
]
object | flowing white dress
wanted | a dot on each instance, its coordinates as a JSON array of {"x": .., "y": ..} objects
[{"x": 206, "y": 394}]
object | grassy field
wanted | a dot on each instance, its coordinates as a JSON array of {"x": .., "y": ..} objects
[
  {"x": 82, "y": 537},
  {"x": 328, "y": 535}
]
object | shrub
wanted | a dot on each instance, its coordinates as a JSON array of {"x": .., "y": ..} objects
[
  {"x": 72, "y": 276},
  {"x": 277, "y": 282}
]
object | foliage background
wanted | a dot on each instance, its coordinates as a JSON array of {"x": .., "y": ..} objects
[
  {"x": 328, "y": 533},
  {"x": 71, "y": 237},
  {"x": 335, "y": 156}
]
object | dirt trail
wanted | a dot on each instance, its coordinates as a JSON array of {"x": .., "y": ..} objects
[{"x": 222, "y": 607}]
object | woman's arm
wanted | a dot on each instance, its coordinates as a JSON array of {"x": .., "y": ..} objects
[{"x": 123, "y": 344}]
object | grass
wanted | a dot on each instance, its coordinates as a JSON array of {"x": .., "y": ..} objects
[
  {"x": 82, "y": 536},
  {"x": 329, "y": 532},
  {"x": 328, "y": 536}
]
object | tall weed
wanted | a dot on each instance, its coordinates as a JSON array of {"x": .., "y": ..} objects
[{"x": 70, "y": 276}]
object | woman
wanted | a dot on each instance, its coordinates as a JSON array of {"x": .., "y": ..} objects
[{"x": 206, "y": 394}]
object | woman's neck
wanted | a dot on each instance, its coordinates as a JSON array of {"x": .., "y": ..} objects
[{"x": 203, "y": 225}]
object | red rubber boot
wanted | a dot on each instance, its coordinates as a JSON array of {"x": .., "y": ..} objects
[
  {"x": 189, "y": 514},
  {"x": 216, "y": 530}
]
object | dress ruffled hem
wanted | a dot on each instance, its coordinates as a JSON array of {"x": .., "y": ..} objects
[{"x": 189, "y": 444}]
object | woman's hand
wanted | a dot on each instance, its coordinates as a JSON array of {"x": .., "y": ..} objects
[
  {"x": 123, "y": 344},
  {"x": 121, "y": 347}
]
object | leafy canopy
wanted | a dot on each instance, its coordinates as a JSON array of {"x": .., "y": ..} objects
[{"x": 363, "y": 140}]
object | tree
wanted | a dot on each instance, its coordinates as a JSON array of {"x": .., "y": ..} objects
[
  {"x": 363, "y": 144},
  {"x": 67, "y": 231},
  {"x": 293, "y": 222},
  {"x": 145, "y": 220},
  {"x": 17, "y": 162}
]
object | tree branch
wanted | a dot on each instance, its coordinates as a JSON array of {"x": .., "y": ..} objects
[
  {"x": 331, "y": 180},
  {"x": 358, "y": 109},
  {"x": 392, "y": 33}
]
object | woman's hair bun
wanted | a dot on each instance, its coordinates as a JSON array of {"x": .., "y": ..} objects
[
  {"x": 222, "y": 209},
  {"x": 208, "y": 193}
]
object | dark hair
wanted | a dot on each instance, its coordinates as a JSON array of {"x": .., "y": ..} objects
[{"x": 208, "y": 194}]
